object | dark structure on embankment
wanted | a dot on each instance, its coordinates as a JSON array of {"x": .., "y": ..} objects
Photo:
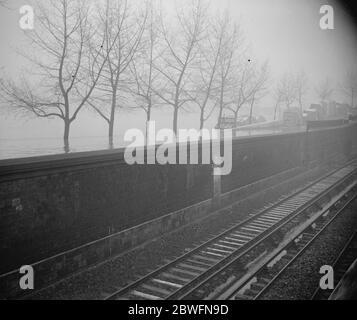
[{"x": 74, "y": 210}]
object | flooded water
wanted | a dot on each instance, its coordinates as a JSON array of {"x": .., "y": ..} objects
[{"x": 23, "y": 148}]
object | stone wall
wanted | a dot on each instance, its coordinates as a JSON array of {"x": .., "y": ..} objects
[
  {"x": 58, "y": 208},
  {"x": 53, "y": 204}
]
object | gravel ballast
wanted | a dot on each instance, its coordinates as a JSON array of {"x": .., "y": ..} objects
[{"x": 301, "y": 279}]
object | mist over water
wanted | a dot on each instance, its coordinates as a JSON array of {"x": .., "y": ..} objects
[{"x": 35, "y": 144}]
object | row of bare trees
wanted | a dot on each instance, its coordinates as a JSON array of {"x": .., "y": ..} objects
[
  {"x": 67, "y": 67},
  {"x": 114, "y": 54},
  {"x": 292, "y": 90},
  {"x": 117, "y": 53},
  {"x": 349, "y": 86},
  {"x": 289, "y": 90}
]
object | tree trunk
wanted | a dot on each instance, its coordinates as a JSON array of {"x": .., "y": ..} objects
[
  {"x": 235, "y": 118},
  {"x": 66, "y": 135},
  {"x": 220, "y": 117},
  {"x": 110, "y": 136},
  {"x": 148, "y": 118},
  {"x": 175, "y": 120},
  {"x": 67, "y": 124},
  {"x": 202, "y": 120},
  {"x": 111, "y": 122},
  {"x": 251, "y": 111},
  {"x": 300, "y": 103},
  {"x": 276, "y": 110},
  {"x": 352, "y": 99},
  {"x": 220, "y": 109}
]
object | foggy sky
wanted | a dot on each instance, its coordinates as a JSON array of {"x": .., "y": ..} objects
[{"x": 286, "y": 32}]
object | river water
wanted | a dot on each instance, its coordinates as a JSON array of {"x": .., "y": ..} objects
[{"x": 23, "y": 148}]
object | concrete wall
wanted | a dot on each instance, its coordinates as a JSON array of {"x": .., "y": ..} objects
[
  {"x": 259, "y": 157},
  {"x": 53, "y": 204}
]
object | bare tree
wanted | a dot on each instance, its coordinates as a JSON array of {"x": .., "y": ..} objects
[
  {"x": 207, "y": 70},
  {"x": 232, "y": 42},
  {"x": 241, "y": 89},
  {"x": 67, "y": 62},
  {"x": 290, "y": 89},
  {"x": 349, "y": 86},
  {"x": 324, "y": 90},
  {"x": 142, "y": 67},
  {"x": 123, "y": 28},
  {"x": 301, "y": 88},
  {"x": 278, "y": 97},
  {"x": 287, "y": 90},
  {"x": 249, "y": 87},
  {"x": 259, "y": 88},
  {"x": 177, "y": 61}
]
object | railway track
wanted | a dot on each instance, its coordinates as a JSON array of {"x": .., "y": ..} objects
[
  {"x": 262, "y": 279},
  {"x": 340, "y": 267},
  {"x": 185, "y": 276}
]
